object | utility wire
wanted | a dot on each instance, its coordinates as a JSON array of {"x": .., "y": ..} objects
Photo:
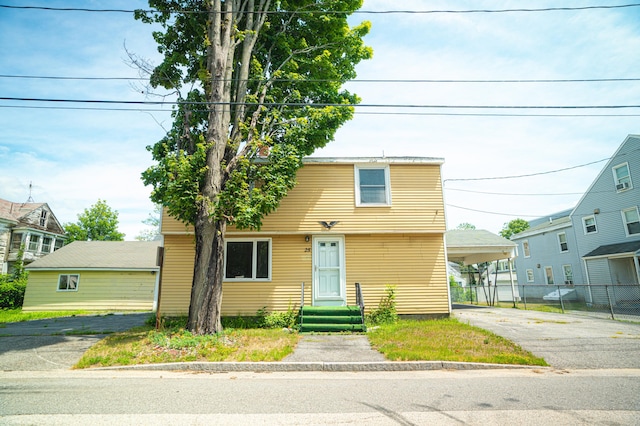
[
  {"x": 495, "y": 213},
  {"x": 386, "y": 113},
  {"x": 516, "y": 195},
  {"x": 463, "y": 11},
  {"x": 527, "y": 175},
  {"x": 390, "y": 81},
  {"x": 319, "y": 104}
]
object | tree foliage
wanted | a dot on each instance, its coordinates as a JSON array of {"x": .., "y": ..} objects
[
  {"x": 513, "y": 227},
  {"x": 466, "y": 226},
  {"x": 97, "y": 223},
  {"x": 153, "y": 222},
  {"x": 259, "y": 87}
]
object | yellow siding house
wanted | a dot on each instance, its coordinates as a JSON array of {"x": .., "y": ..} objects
[
  {"x": 373, "y": 221},
  {"x": 95, "y": 275}
]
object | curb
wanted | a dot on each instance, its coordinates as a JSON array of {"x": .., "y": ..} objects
[{"x": 258, "y": 367}]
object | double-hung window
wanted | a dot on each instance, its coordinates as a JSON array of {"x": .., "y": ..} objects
[
  {"x": 562, "y": 241},
  {"x": 568, "y": 274},
  {"x": 589, "y": 224},
  {"x": 525, "y": 248},
  {"x": 631, "y": 221},
  {"x": 16, "y": 241},
  {"x": 622, "y": 177},
  {"x": 34, "y": 241},
  {"x": 46, "y": 244},
  {"x": 247, "y": 260},
  {"x": 529, "y": 275},
  {"x": 68, "y": 282},
  {"x": 372, "y": 186}
]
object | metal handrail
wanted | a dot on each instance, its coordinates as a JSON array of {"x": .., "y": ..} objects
[{"x": 360, "y": 300}]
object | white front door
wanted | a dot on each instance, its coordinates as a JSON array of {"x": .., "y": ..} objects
[{"x": 329, "y": 278}]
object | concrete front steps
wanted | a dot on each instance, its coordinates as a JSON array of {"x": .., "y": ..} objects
[{"x": 331, "y": 319}]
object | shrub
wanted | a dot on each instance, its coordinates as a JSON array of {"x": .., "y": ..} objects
[
  {"x": 386, "y": 312},
  {"x": 12, "y": 291},
  {"x": 287, "y": 319}
]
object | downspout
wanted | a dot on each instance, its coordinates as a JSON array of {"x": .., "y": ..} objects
[
  {"x": 636, "y": 260},
  {"x": 586, "y": 271}
]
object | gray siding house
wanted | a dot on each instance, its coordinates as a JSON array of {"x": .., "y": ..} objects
[
  {"x": 598, "y": 241},
  {"x": 606, "y": 221}
]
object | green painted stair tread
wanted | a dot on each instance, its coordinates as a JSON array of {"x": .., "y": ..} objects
[
  {"x": 332, "y": 319},
  {"x": 330, "y": 310},
  {"x": 331, "y": 327}
]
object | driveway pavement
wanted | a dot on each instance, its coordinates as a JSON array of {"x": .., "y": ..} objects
[
  {"x": 565, "y": 341},
  {"x": 57, "y": 343}
]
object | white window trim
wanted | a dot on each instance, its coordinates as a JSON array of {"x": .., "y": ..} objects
[
  {"x": 564, "y": 274},
  {"x": 615, "y": 178},
  {"x": 387, "y": 184},
  {"x": 625, "y": 223},
  {"x": 584, "y": 225},
  {"x": 254, "y": 259},
  {"x": 560, "y": 242},
  {"x": 529, "y": 275},
  {"x": 67, "y": 290},
  {"x": 527, "y": 249}
]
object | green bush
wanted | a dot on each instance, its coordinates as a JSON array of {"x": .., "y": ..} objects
[
  {"x": 386, "y": 312},
  {"x": 287, "y": 319},
  {"x": 12, "y": 291}
]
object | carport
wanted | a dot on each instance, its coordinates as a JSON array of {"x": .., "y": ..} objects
[{"x": 473, "y": 246}]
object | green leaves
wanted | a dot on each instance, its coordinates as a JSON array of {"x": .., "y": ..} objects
[
  {"x": 300, "y": 55},
  {"x": 97, "y": 223}
]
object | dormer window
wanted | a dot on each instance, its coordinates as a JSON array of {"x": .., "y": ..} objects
[
  {"x": 622, "y": 177},
  {"x": 43, "y": 218}
]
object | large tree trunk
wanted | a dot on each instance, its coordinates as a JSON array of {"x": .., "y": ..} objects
[
  {"x": 206, "y": 290},
  {"x": 209, "y": 227}
]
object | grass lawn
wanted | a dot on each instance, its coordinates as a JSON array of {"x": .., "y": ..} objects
[
  {"x": 16, "y": 315},
  {"x": 435, "y": 340}
]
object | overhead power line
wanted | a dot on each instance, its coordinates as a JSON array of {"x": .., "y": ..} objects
[
  {"x": 390, "y": 81},
  {"x": 527, "y": 175},
  {"x": 372, "y": 12},
  {"x": 386, "y": 113},
  {"x": 320, "y": 104}
]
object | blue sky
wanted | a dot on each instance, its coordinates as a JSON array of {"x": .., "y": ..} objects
[{"x": 74, "y": 157}]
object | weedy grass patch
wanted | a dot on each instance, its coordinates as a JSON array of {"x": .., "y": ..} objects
[
  {"x": 144, "y": 345},
  {"x": 446, "y": 340}
]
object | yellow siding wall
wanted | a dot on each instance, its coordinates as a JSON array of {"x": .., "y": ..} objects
[
  {"x": 414, "y": 263},
  {"x": 97, "y": 290},
  {"x": 326, "y": 192}
]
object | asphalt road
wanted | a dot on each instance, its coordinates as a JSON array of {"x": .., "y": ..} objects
[{"x": 515, "y": 397}]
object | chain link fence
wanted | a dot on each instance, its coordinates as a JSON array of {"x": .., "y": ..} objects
[{"x": 620, "y": 301}]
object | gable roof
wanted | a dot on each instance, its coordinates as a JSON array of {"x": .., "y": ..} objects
[
  {"x": 121, "y": 255},
  {"x": 612, "y": 161},
  {"x": 15, "y": 211},
  {"x": 477, "y": 246}
]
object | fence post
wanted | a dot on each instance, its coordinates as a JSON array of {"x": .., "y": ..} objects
[
  {"x": 606, "y": 289},
  {"x": 561, "y": 301}
]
